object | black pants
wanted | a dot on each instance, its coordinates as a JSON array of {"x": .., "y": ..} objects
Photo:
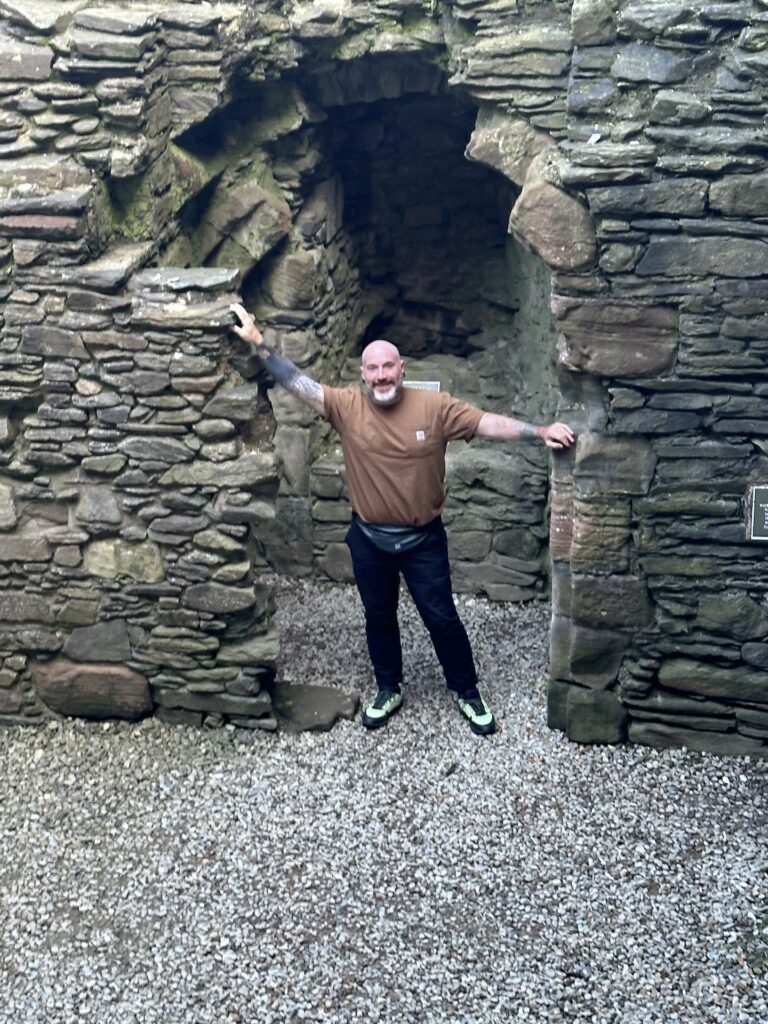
[{"x": 427, "y": 574}]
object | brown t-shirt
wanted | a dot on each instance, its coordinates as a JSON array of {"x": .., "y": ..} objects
[{"x": 395, "y": 455}]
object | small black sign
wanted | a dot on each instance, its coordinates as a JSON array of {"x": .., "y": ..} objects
[{"x": 758, "y": 512}]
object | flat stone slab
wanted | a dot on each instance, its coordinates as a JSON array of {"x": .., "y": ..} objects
[{"x": 308, "y": 708}]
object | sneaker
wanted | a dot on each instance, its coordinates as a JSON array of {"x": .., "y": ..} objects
[
  {"x": 381, "y": 708},
  {"x": 478, "y": 714}
]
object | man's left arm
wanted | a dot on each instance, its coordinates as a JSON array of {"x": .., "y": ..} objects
[{"x": 506, "y": 428}]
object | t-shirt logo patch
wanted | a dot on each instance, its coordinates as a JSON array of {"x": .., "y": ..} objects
[{"x": 420, "y": 435}]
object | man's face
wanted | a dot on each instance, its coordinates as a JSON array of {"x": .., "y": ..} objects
[{"x": 382, "y": 372}]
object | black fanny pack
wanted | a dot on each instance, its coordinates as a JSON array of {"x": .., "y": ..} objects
[{"x": 395, "y": 540}]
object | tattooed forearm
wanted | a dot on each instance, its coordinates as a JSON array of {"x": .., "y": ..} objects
[{"x": 289, "y": 375}]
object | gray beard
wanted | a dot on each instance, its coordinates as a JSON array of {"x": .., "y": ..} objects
[{"x": 391, "y": 396}]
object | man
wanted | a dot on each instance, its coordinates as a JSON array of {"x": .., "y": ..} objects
[{"x": 394, "y": 442}]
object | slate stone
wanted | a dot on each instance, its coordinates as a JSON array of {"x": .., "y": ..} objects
[
  {"x": 755, "y": 654},
  {"x": 214, "y": 597},
  {"x": 593, "y": 22},
  {"x": 52, "y": 341},
  {"x": 24, "y": 549},
  {"x": 104, "y": 642},
  {"x": 691, "y": 676},
  {"x": 679, "y": 198},
  {"x": 590, "y": 96},
  {"x": 156, "y": 449},
  {"x": 98, "y": 506},
  {"x": 678, "y": 107},
  {"x": 183, "y": 279},
  {"x": 250, "y": 472},
  {"x": 24, "y": 62},
  {"x": 41, "y": 15},
  {"x": 663, "y": 736},
  {"x": 92, "y": 691},
  {"x": 735, "y": 615},
  {"x": 739, "y": 195},
  {"x": 116, "y": 21},
  {"x": 311, "y": 708},
  {"x": 17, "y": 606},
  {"x": 642, "y": 62},
  {"x": 249, "y": 216},
  {"x": 237, "y": 404},
  {"x": 221, "y": 703}
]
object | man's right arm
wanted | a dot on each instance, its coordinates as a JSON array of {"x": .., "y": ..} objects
[{"x": 286, "y": 373}]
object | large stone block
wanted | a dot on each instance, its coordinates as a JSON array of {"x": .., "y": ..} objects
[
  {"x": 560, "y": 648},
  {"x": 291, "y": 282},
  {"x": 554, "y": 224},
  {"x": 507, "y": 144},
  {"x": 610, "y": 602},
  {"x": 557, "y": 704},
  {"x": 615, "y": 338},
  {"x": 92, "y": 691},
  {"x": 612, "y": 465},
  {"x": 696, "y": 257},
  {"x": 561, "y": 522},
  {"x": 595, "y": 716},
  {"x": 601, "y": 537},
  {"x": 596, "y": 656},
  {"x": 249, "y": 216},
  {"x": 322, "y": 214}
]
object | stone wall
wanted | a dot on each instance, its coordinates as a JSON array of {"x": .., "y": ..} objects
[{"x": 157, "y": 160}]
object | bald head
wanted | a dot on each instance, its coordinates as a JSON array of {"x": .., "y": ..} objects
[
  {"x": 382, "y": 370},
  {"x": 378, "y": 350}
]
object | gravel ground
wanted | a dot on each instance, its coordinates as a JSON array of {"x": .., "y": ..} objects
[{"x": 418, "y": 874}]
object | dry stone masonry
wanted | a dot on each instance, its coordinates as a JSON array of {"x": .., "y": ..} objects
[{"x": 550, "y": 206}]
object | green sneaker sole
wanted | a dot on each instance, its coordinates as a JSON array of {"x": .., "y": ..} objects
[
  {"x": 479, "y": 729},
  {"x": 376, "y": 723}
]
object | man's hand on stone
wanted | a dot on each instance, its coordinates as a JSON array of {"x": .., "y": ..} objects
[
  {"x": 557, "y": 435},
  {"x": 246, "y": 327}
]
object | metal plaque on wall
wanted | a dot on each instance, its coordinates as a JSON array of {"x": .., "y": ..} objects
[{"x": 757, "y": 526}]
